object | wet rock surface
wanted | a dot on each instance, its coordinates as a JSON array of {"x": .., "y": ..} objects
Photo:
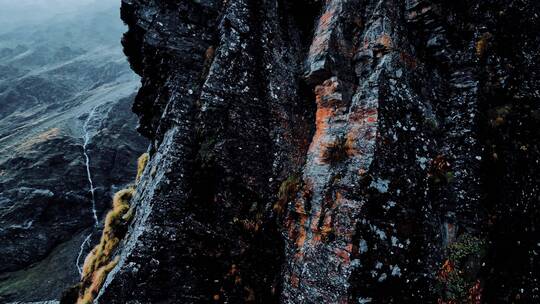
[
  {"x": 339, "y": 151},
  {"x": 61, "y": 97}
]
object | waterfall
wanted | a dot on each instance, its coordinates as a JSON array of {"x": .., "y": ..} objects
[
  {"x": 87, "y": 159},
  {"x": 83, "y": 245}
]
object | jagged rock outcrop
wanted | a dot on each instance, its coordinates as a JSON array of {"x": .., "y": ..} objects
[{"x": 339, "y": 151}]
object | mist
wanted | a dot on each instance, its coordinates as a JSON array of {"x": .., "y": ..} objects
[{"x": 15, "y": 13}]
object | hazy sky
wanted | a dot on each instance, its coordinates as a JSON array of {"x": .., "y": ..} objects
[{"x": 16, "y": 12}]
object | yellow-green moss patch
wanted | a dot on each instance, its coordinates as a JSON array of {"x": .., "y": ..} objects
[
  {"x": 101, "y": 260},
  {"x": 287, "y": 192},
  {"x": 141, "y": 164}
]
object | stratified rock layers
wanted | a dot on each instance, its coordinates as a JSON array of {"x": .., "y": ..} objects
[{"x": 339, "y": 151}]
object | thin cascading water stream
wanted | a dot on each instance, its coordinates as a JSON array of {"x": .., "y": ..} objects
[
  {"x": 87, "y": 161},
  {"x": 79, "y": 256},
  {"x": 86, "y": 141}
]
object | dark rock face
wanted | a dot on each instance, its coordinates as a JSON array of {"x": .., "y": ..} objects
[
  {"x": 62, "y": 99},
  {"x": 339, "y": 151}
]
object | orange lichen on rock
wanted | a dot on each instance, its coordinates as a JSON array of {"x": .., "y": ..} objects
[
  {"x": 325, "y": 230},
  {"x": 475, "y": 293},
  {"x": 326, "y": 19},
  {"x": 440, "y": 170},
  {"x": 295, "y": 281},
  {"x": 362, "y": 130},
  {"x": 482, "y": 44},
  {"x": 344, "y": 255},
  {"x": 446, "y": 270},
  {"x": 302, "y": 235},
  {"x": 321, "y": 122},
  {"x": 297, "y": 224},
  {"x": 440, "y": 164},
  {"x": 316, "y": 237},
  {"x": 385, "y": 42},
  {"x": 315, "y": 221},
  {"x": 209, "y": 54},
  {"x": 327, "y": 94},
  {"x": 322, "y": 35},
  {"x": 364, "y": 115},
  {"x": 299, "y": 207},
  {"x": 329, "y": 102}
]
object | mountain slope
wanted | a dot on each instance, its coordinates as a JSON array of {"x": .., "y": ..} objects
[{"x": 65, "y": 121}]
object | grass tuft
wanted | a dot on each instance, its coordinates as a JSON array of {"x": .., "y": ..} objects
[
  {"x": 337, "y": 151},
  {"x": 141, "y": 164},
  {"x": 100, "y": 261}
]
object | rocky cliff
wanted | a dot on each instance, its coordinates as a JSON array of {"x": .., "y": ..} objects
[
  {"x": 67, "y": 143},
  {"x": 339, "y": 151}
]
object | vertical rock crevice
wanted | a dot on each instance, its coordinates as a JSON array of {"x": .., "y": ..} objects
[{"x": 223, "y": 143}]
